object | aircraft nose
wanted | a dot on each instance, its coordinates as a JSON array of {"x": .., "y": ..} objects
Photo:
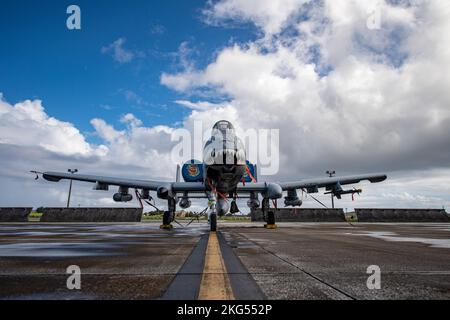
[
  {"x": 224, "y": 152},
  {"x": 225, "y": 156}
]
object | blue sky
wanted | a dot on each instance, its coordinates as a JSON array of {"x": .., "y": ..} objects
[{"x": 76, "y": 81}]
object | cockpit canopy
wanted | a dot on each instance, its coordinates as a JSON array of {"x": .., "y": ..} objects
[{"x": 223, "y": 128}]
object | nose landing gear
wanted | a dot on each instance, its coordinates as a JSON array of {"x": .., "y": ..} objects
[
  {"x": 213, "y": 222},
  {"x": 212, "y": 212}
]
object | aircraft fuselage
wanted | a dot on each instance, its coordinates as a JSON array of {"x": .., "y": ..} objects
[{"x": 224, "y": 158}]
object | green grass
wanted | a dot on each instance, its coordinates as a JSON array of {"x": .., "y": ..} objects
[
  {"x": 158, "y": 217},
  {"x": 351, "y": 217},
  {"x": 235, "y": 218},
  {"x": 35, "y": 215}
]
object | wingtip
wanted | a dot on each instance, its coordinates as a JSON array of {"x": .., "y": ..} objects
[
  {"x": 378, "y": 178},
  {"x": 49, "y": 177}
]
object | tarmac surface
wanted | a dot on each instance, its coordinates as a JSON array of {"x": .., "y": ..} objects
[{"x": 295, "y": 261}]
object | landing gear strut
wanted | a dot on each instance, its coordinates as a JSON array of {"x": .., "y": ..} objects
[
  {"x": 169, "y": 215},
  {"x": 268, "y": 215},
  {"x": 213, "y": 221},
  {"x": 212, "y": 212}
]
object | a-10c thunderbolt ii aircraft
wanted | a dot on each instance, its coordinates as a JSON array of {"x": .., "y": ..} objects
[{"x": 225, "y": 174}]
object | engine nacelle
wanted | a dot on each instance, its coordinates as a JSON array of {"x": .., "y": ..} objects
[
  {"x": 185, "y": 203},
  {"x": 121, "y": 197}
]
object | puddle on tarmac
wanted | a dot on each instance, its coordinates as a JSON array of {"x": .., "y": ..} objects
[
  {"x": 393, "y": 237},
  {"x": 57, "y": 249},
  {"x": 100, "y": 231},
  {"x": 76, "y": 295},
  {"x": 32, "y": 238}
]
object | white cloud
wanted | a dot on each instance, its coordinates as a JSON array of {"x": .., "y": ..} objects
[
  {"x": 182, "y": 59},
  {"x": 343, "y": 96},
  {"x": 27, "y": 124},
  {"x": 199, "y": 105},
  {"x": 367, "y": 112},
  {"x": 118, "y": 52},
  {"x": 131, "y": 120},
  {"x": 32, "y": 140},
  {"x": 268, "y": 15}
]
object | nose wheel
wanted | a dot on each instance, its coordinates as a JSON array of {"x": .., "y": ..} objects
[{"x": 212, "y": 212}]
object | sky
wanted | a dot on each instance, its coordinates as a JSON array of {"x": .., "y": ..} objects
[{"x": 352, "y": 85}]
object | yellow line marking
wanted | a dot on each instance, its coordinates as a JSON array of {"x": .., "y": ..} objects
[{"x": 215, "y": 284}]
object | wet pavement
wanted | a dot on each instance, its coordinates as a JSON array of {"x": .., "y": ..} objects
[
  {"x": 295, "y": 261},
  {"x": 117, "y": 261},
  {"x": 330, "y": 260}
]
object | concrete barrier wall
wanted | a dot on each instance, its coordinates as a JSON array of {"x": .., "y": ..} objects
[
  {"x": 302, "y": 215},
  {"x": 401, "y": 215},
  {"x": 14, "y": 214},
  {"x": 91, "y": 215}
]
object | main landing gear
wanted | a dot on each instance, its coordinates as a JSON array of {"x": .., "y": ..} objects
[
  {"x": 169, "y": 215},
  {"x": 269, "y": 215}
]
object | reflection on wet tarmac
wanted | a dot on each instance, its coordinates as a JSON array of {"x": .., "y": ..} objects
[
  {"x": 57, "y": 249},
  {"x": 391, "y": 236},
  {"x": 82, "y": 239}
]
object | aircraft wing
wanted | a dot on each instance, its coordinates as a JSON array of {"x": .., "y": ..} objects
[
  {"x": 330, "y": 182},
  {"x": 128, "y": 183},
  {"x": 309, "y": 184},
  {"x": 314, "y": 184}
]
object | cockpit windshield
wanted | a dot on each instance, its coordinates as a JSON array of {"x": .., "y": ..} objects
[{"x": 223, "y": 128}]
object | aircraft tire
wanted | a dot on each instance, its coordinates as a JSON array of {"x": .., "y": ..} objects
[
  {"x": 166, "y": 218},
  {"x": 213, "y": 222}
]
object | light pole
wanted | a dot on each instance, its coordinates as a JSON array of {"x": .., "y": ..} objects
[
  {"x": 331, "y": 173},
  {"x": 72, "y": 171}
]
